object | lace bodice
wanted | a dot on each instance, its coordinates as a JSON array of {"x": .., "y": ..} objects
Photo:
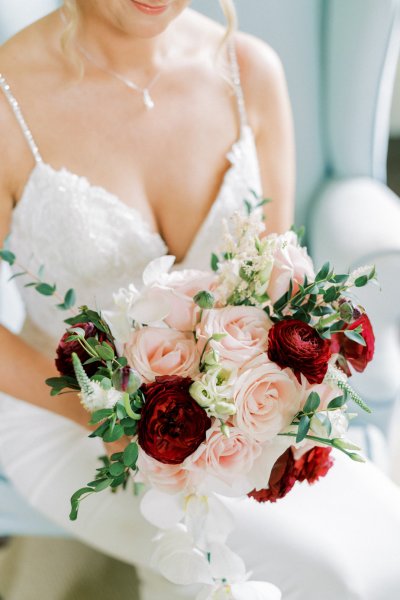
[{"x": 86, "y": 238}]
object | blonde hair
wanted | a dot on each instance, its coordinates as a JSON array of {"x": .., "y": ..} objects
[{"x": 71, "y": 17}]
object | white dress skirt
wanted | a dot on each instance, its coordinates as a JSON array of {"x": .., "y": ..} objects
[{"x": 336, "y": 540}]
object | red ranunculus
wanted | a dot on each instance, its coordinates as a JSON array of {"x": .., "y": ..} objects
[
  {"x": 352, "y": 352},
  {"x": 65, "y": 349},
  {"x": 286, "y": 471},
  {"x": 172, "y": 425},
  {"x": 313, "y": 464},
  {"x": 297, "y": 345},
  {"x": 281, "y": 480}
]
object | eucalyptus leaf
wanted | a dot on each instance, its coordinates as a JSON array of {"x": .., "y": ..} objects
[
  {"x": 114, "y": 434},
  {"x": 214, "y": 262},
  {"x": 303, "y": 428},
  {"x": 45, "y": 289},
  {"x": 131, "y": 453},
  {"x": 7, "y": 256},
  {"x": 337, "y": 402},
  {"x": 312, "y": 403},
  {"x": 355, "y": 337}
]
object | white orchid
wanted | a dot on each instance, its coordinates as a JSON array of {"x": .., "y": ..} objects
[{"x": 143, "y": 306}]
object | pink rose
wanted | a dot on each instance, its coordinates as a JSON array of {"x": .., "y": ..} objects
[
  {"x": 267, "y": 399},
  {"x": 226, "y": 458},
  {"x": 245, "y": 330},
  {"x": 158, "y": 351},
  {"x": 171, "y": 479},
  {"x": 291, "y": 261},
  {"x": 178, "y": 289}
]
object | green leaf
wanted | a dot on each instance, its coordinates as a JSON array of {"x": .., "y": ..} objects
[
  {"x": 340, "y": 278},
  {"x": 16, "y": 275},
  {"x": 303, "y": 429},
  {"x": 355, "y": 337},
  {"x": 69, "y": 300},
  {"x": 105, "y": 351},
  {"x": 116, "y": 469},
  {"x": 100, "y": 415},
  {"x": 313, "y": 402},
  {"x": 75, "y": 500},
  {"x": 121, "y": 360},
  {"x": 204, "y": 299},
  {"x": 214, "y": 262},
  {"x": 112, "y": 435},
  {"x": 45, "y": 289},
  {"x": 323, "y": 272},
  {"x": 131, "y": 453},
  {"x": 337, "y": 402},
  {"x": 100, "y": 431},
  {"x": 102, "y": 484},
  {"x": 117, "y": 456},
  {"x": 7, "y": 256},
  {"x": 331, "y": 294},
  {"x": 217, "y": 337},
  {"x": 361, "y": 281}
]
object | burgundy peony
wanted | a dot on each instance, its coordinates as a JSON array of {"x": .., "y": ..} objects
[
  {"x": 357, "y": 355},
  {"x": 281, "y": 480},
  {"x": 297, "y": 345},
  {"x": 172, "y": 425},
  {"x": 65, "y": 349},
  {"x": 313, "y": 464}
]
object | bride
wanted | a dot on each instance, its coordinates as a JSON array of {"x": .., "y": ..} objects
[{"x": 129, "y": 129}]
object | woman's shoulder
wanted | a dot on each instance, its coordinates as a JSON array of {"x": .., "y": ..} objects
[{"x": 262, "y": 75}]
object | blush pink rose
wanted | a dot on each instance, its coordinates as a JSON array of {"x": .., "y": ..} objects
[
  {"x": 226, "y": 459},
  {"x": 171, "y": 479},
  {"x": 267, "y": 399},
  {"x": 158, "y": 351},
  {"x": 178, "y": 289},
  {"x": 291, "y": 261},
  {"x": 245, "y": 328}
]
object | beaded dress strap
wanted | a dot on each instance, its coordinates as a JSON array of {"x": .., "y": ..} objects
[
  {"x": 237, "y": 83},
  {"x": 18, "y": 115}
]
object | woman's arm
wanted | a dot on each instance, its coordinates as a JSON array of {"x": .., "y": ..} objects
[
  {"x": 23, "y": 370},
  {"x": 270, "y": 116}
]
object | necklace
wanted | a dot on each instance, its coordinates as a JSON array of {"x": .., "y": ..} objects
[{"x": 147, "y": 98}]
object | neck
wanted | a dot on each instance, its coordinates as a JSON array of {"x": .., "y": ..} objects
[{"x": 117, "y": 49}]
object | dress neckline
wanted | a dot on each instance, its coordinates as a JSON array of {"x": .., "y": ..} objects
[{"x": 246, "y": 133}]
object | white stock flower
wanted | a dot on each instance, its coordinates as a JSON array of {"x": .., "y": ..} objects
[
  {"x": 214, "y": 392},
  {"x": 97, "y": 398},
  {"x": 339, "y": 424}
]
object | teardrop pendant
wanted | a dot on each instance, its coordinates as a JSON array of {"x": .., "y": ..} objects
[{"x": 148, "y": 100}]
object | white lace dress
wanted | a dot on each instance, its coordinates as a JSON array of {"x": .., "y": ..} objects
[{"x": 337, "y": 540}]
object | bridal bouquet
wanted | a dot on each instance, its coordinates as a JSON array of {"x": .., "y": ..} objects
[{"x": 225, "y": 383}]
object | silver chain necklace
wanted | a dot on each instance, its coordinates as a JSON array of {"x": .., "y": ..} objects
[{"x": 147, "y": 98}]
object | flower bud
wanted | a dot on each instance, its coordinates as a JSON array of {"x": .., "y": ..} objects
[
  {"x": 126, "y": 380},
  {"x": 199, "y": 393},
  {"x": 211, "y": 359},
  {"x": 204, "y": 299},
  {"x": 225, "y": 408}
]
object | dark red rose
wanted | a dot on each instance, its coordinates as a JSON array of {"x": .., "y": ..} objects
[
  {"x": 294, "y": 344},
  {"x": 357, "y": 355},
  {"x": 313, "y": 464},
  {"x": 65, "y": 350},
  {"x": 281, "y": 480},
  {"x": 172, "y": 425}
]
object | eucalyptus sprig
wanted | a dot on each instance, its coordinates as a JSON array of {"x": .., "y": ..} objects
[{"x": 37, "y": 282}]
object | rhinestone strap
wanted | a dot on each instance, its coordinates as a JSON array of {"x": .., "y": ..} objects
[
  {"x": 18, "y": 115},
  {"x": 235, "y": 71}
]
